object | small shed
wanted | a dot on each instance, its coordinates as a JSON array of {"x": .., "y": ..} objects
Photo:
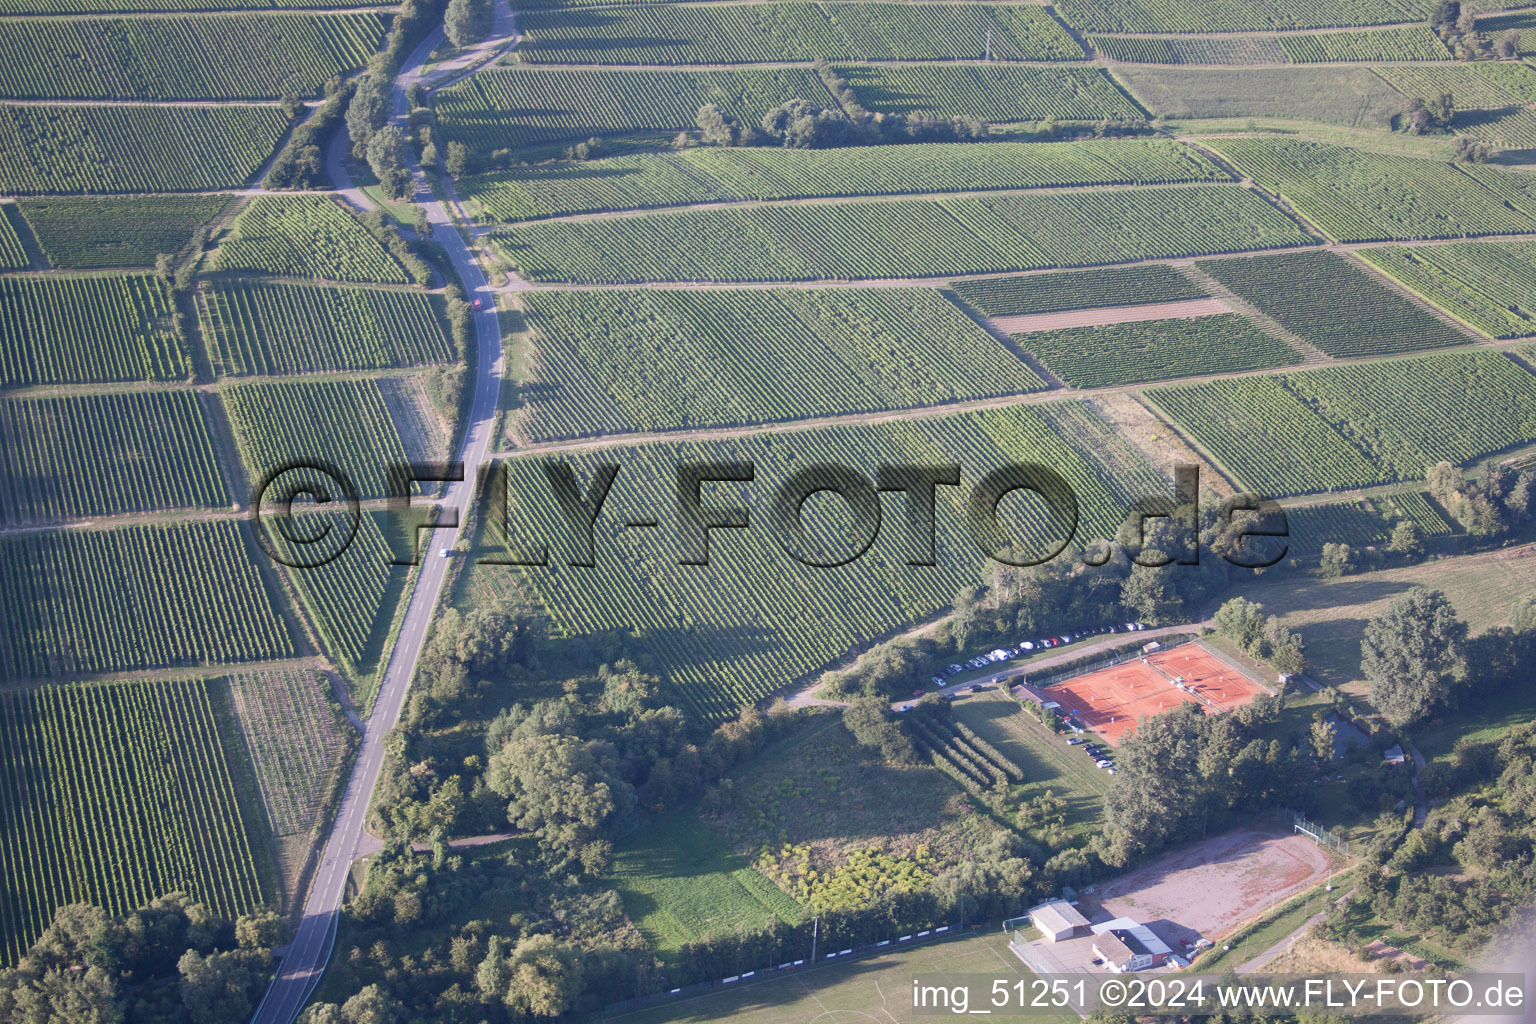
[{"x": 1058, "y": 921}]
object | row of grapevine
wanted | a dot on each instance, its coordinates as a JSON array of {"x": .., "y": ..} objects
[
  {"x": 619, "y": 362},
  {"x": 221, "y": 56},
  {"x": 1357, "y": 523},
  {"x": 1148, "y": 350},
  {"x": 126, "y": 148},
  {"x": 708, "y": 174},
  {"x": 116, "y": 795},
  {"x": 900, "y": 238},
  {"x": 1202, "y": 16},
  {"x": 1012, "y": 772},
  {"x": 1218, "y": 50},
  {"x": 1473, "y": 90},
  {"x": 270, "y": 328},
  {"x": 690, "y": 618},
  {"x": 342, "y": 422},
  {"x": 949, "y": 757},
  {"x": 306, "y": 236},
  {"x": 295, "y": 740},
  {"x": 1328, "y": 300},
  {"x": 86, "y": 233},
  {"x": 1087, "y": 289},
  {"x": 91, "y": 601},
  {"x": 1416, "y": 507},
  {"x": 1416, "y": 43},
  {"x": 12, "y": 7},
  {"x": 13, "y": 255},
  {"x": 1489, "y": 285},
  {"x": 990, "y": 92},
  {"x": 63, "y": 330},
  {"x": 86, "y": 455},
  {"x": 794, "y": 31}
]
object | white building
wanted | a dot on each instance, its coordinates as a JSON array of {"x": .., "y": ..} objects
[
  {"x": 1128, "y": 946},
  {"x": 1058, "y": 920}
]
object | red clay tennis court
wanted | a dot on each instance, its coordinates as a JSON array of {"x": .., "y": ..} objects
[{"x": 1110, "y": 700}]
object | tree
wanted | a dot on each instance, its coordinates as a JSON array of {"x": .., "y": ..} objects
[
  {"x": 560, "y": 784},
  {"x": 1407, "y": 539},
  {"x": 214, "y": 988},
  {"x": 290, "y": 105},
  {"x": 1524, "y": 615},
  {"x": 371, "y": 1005},
  {"x": 1286, "y": 650},
  {"x": 715, "y": 128},
  {"x": 186, "y": 274},
  {"x": 165, "y": 267},
  {"x": 1324, "y": 733},
  {"x": 1445, "y": 14},
  {"x": 545, "y": 977},
  {"x": 1412, "y": 654},
  {"x": 1338, "y": 560},
  {"x": 1508, "y": 46},
  {"x": 466, "y": 21},
  {"x": 458, "y": 159},
  {"x": 367, "y": 112},
  {"x": 1241, "y": 621},
  {"x": 869, "y": 719},
  {"x": 386, "y": 151}
]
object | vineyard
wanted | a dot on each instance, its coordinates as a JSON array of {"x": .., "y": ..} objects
[
  {"x": 87, "y": 233},
  {"x": 899, "y": 239},
  {"x": 701, "y": 175},
  {"x": 13, "y": 255},
  {"x": 116, "y": 795},
  {"x": 87, "y": 455},
  {"x": 1148, "y": 350},
  {"x": 1238, "y": 50},
  {"x": 1328, "y": 301},
  {"x": 10, "y": 7},
  {"x": 1216, "y": 16},
  {"x": 620, "y": 362},
  {"x": 518, "y": 106},
  {"x": 1489, "y": 285},
  {"x": 1358, "y": 196},
  {"x": 219, "y": 56},
  {"x": 1416, "y": 43},
  {"x": 265, "y": 328},
  {"x": 1362, "y": 522},
  {"x": 956, "y": 749},
  {"x": 1088, "y": 289},
  {"x": 989, "y": 92},
  {"x": 754, "y": 620},
  {"x": 770, "y": 32},
  {"x": 133, "y": 148},
  {"x": 295, "y": 740},
  {"x": 343, "y": 422},
  {"x": 88, "y": 601},
  {"x": 61, "y": 330},
  {"x": 306, "y": 236},
  {"x": 1340, "y": 94},
  {"x": 1472, "y": 88}
]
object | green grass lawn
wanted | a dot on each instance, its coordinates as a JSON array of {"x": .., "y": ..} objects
[
  {"x": 1482, "y": 721},
  {"x": 680, "y": 882},
  {"x": 876, "y": 989}
]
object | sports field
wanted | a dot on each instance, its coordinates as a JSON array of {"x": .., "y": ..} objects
[{"x": 1110, "y": 700}]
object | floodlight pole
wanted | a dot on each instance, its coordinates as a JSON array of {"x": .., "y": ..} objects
[{"x": 815, "y": 927}]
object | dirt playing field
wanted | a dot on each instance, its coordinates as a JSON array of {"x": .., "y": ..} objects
[
  {"x": 1212, "y": 887},
  {"x": 1108, "y": 702}
]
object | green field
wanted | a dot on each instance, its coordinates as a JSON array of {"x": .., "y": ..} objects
[
  {"x": 1417, "y": 43},
  {"x": 1148, "y": 350},
  {"x": 102, "y": 454},
  {"x": 626, "y": 362},
  {"x": 219, "y": 56},
  {"x": 123, "y": 231},
  {"x": 93, "y": 601},
  {"x": 1329, "y": 301},
  {"x": 706, "y": 174},
  {"x": 87, "y": 148},
  {"x": 1488, "y": 285},
  {"x": 306, "y": 236},
  {"x": 1471, "y": 84},
  {"x": 116, "y": 795},
  {"x": 989, "y": 92},
  {"x": 268, "y": 328},
  {"x": 768, "y": 32},
  {"x": 295, "y": 740},
  {"x": 680, "y": 883},
  {"x": 1214, "y": 16},
  {"x": 1239, "y": 50},
  {"x": 65, "y": 330},
  {"x": 1088, "y": 289},
  {"x": 1351, "y": 96},
  {"x": 899, "y": 238}
]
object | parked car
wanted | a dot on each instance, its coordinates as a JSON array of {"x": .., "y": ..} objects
[
  {"x": 955, "y": 668},
  {"x": 937, "y": 680},
  {"x": 1027, "y": 645},
  {"x": 917, "y": 693},
  {"x": 1110, "y": 770},
  {"x": 1073, "y": 741},
  {"x": 1104, "y": 763}
]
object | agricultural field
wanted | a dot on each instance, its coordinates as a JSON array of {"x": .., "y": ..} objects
[
  {"x": 295, "y": 739},
  {"x": 705, "y": 174},
  {"x": 72, "y": 149},
  {"x": 1487, "y": 285},
  {"x": 518, "y": 106},
  {"x": 769, "y": 32},
  {"x": 900, "y": 238},
  {"x": 1215, "y": 16},
  {"x": 1472, "y": 87},
  {"x": 1342, "y": 95},
  {"x": 1519, "y": 80},
  {"x": 16, "y": 7},
  {"x": 1329, "y": 301},
  {"x": 117, "y": 795},
  {"x": 194, "y": 57},
  {"x": 306, "y": 236},
  {"x": 13, "y": 255},
  {"x": 1363, "y": 521},
  {"x": 95, "y": 601},
  {"x": 1360, "y": 196},
  {"x": 992, "y": 93},
  {"x": 1087, "y": 289},
  {"x": 1231, "y": 50},
  {"x": 269, "y": 328},
  {"x": 343, "y": 422},
  {"x": 65, "y": 330},
  {"x": 102, "y": 454},
  {"x": 634, "y": 361},
  {"x": 86, "y": 233},
  {"x": 690, "y": 619},
  {"x": 1416, "y": 43},
  {"x": 1149, "y": 350}
]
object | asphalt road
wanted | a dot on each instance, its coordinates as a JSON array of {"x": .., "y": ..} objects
[{"x": 310, "y": 949}]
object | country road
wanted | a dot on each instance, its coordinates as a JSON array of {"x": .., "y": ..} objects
[{"x": 307, "y": 955}]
